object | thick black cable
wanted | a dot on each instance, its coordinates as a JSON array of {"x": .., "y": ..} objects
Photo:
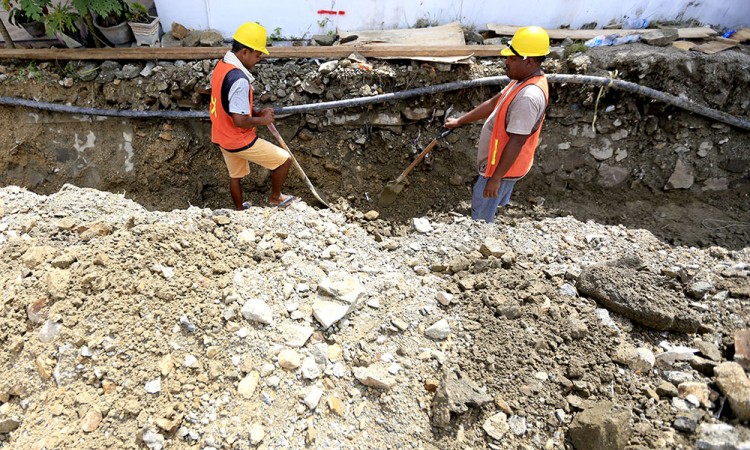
[{"x": 381, "y": 98}]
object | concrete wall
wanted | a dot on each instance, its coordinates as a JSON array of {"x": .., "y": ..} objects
[{"x": 303, "y": 18}]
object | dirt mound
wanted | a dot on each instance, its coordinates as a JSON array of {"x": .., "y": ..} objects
[{"x": 151, "y": 317}]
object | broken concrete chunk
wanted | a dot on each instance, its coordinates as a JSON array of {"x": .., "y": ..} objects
[{"x": 456, "y": 394}]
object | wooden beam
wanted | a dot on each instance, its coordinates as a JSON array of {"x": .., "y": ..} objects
[
  {"x": 560, "y": 34},
  {"x": 198, "y": 53}
]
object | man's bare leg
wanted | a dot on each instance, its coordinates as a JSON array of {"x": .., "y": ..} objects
[
  {"x": 278, "y": 177},
  {"x": 235, "y": 188}
]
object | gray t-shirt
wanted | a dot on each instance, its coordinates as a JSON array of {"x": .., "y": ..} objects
[
  {"x": 524, "y": 116},
  {"x": 239, "y": 97}
]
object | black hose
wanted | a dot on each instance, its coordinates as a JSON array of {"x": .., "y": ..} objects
[{"x": 427, "y": 90}]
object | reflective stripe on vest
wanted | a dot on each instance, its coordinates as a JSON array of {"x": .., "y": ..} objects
[
  {"x": 223, "y": 130},
  {"x": 500, "y": 138}
]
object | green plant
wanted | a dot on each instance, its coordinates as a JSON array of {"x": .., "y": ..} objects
[
  {"x": 276, "y": 35},
  {"x": 108, "y": 12},
  {"x": 138, "y": 13},
  {"x": 578, "y": 47},
  {"x": 21, "y": 12},
  {"x": 62, "y": 18}
]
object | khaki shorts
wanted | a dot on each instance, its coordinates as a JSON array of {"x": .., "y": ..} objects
[{"x": 262, "y": 153}]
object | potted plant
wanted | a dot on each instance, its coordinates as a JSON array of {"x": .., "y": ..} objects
[
  {"x": 107, "y": 16},
  {"x": 145, "y": 27},
  {"x": 28, "y": 15},
  {"x": 65, "y": 23}
]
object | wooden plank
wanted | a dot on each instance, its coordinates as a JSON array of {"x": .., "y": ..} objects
[
  {"x": 560, "y": 34},
  {"x": 450, "y": 34},
  {"x": 198, "y": 53},
  {"x": 742, "y": 35},
  {"x": 715, "y": 46},
  {"x": 684, "y": 45}
]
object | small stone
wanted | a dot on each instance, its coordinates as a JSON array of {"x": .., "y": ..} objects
[
  {"x": 91, "y": 421},
  {"x": 431, "y": 385},
  {"x": 289, "y": 359},
  {"x": 372, "y": 215},
  {"x": 735, "y": 385},
  {"x": 444, "y": 298},
  {"x": 685, "y": 424},
  {"x": 496, "y": 426},
  {"x": 257, "y": 433},
  {"x": 312, "y": 399},
  {"x": 257, "y": 310},
  {"x": 248, "y": 384},
  {"x": 335, "y": 406},
  {"x": 439, "y": 330},
  {"x": 154, "y": 386},
  {"x": 310, "y": 369}
]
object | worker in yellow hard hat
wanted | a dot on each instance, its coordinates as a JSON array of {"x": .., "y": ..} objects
[
  {"x": 234, "y": 120},
  {"x": 513, "y": 122}
]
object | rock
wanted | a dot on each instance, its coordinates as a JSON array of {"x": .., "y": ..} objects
[
  {"x": 312, "y": 399},
  {"x": 735, "y": 385},
  {"x": 421, "y": 225},
  {"x": 696, "y": 393},
  {"x": 248, "y": 384},
  {"x": 682, "y": 177},
  {"x": 289, "y": 359},
  {"x": 741, "y": 348},
  {"x": 211, "y": 38},
  {"x": 722, "y": 436},
  {"x": 637, "y": 359},
  {"x": 643, "y": 302},
  {"x": 91, "y": 421},
  {"x": 9, "y": 425},
  {"x": 257, "y": 310},
  {"x": 444, "y": 298},
  {"x": 684, "y": 424},
  {"x": 416, "y": 114},
  {"x": 328, "y": 67},
  {"x": 604, "y": 425},
  {"x": 296, "y": 336},
  {"x": 179, "y": 31},
  {"x": 371, "y": 215},
  {"x": 578, "y": 328},
  {"x": 661, "y": 37},
  {"x": 612, "y": 176},
  {"x": 517, "y": 425},
  {"x": 439, "y": 330},
  {"x": 310, "y": 369},
  {"x": 335, "y": 406},
  {"x": 328, "y": 312},
  {"x": 699, "y": 289},
  {"x": 496, "y": 426},
  {"x": 375, "y": 376},
  {"x": 325, "y": 40},
  {"x": 257, "y": 433},
  {"x": 493, "y": 247},
  {"x": 151, "y": 438},
  {"x": 455, "y": 394},
  {"x": 154, "y": 386},
  {"x": 166, "y": 364},
  {"x": 710, "y": 350}
]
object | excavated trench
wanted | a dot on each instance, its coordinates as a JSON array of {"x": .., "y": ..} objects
[{"x": 644, "y": 164}]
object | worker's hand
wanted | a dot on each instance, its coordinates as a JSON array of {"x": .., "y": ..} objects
[
  {"x": 492, "y": 187},
  {"x": 267, "y": 115},
  {"x": 452, "y": 123}
]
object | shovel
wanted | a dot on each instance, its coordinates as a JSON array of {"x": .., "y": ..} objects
[
  {"x": 318, "y": 195},
  {"x": 391, "y": 190}
]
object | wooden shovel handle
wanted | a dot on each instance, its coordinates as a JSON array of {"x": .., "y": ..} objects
[{"x": 416, "y": 161}]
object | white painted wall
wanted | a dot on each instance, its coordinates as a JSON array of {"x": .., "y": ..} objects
[{"x": 301, "y": 18}]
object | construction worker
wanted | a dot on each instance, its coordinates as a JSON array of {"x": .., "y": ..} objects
[
  {"x": 513, "y": 122},
  {"x": 234, "y": 121}
]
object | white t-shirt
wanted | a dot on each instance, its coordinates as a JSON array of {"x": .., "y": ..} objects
[
  {"x": 239, "y": 97},
  {"x": 524, "y": 116}
]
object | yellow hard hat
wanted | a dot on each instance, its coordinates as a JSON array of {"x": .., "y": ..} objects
[
  {"x": 252, "y": 35},
  {"x": 528, "y": 41}
]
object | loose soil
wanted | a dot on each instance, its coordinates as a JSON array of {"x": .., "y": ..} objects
[{"x": 104, "y": 293}]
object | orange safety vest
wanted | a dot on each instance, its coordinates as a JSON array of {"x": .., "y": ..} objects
[
  {"x": 500, "y": 138},
  {"x": 223, "y": 130}
]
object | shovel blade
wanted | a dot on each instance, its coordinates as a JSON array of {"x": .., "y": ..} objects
[
  {"x": 321, "y": 197},
  {"x": 390, "y": 193}
]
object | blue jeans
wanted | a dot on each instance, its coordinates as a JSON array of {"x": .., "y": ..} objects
[{"x": 485, "y": 208}]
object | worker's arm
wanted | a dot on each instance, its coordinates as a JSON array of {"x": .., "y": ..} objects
[
  {"x": 481, "y": 112},
  {"x": 507, "y": 158},
  {"x": 262, "y": 118}
]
